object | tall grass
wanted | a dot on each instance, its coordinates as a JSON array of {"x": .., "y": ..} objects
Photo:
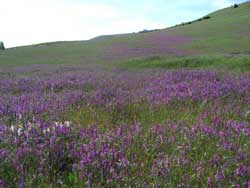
[{"x": 230, "y": 63}]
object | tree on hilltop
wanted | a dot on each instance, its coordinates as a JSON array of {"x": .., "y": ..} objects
[{"x": 2, "y": 46}]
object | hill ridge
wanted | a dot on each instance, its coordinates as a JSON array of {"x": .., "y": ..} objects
[{"x": 227, "y": 31}]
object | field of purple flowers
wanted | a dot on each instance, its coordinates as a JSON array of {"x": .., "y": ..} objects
[{"x": 83, "y": 128}]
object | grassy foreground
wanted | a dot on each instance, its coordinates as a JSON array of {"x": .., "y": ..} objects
[{"x": 125, "y": 129}]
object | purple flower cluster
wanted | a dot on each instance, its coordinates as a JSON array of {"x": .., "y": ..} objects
[
  {"x": 31, "y": 96},
  {"x": 209, "y": 148},
  {"x": 196, "y": 85}
]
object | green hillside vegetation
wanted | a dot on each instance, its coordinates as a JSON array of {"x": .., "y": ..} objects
[
  {"x": 220, "y": 63},
  {"x": 225, "y": 33},
  {"x": 120, "y": 111}
]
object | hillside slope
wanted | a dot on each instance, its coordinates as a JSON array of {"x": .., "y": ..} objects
[{"x": 226, "y": 32}]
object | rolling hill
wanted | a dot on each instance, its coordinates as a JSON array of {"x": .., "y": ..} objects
[
  {"x": 224, "y": 32},
  {"x": 89, "y": 113}
]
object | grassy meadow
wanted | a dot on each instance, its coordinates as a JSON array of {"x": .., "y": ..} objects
[
  {"x": 168, "y": 108},
  {"x": 219, "y": 63}
]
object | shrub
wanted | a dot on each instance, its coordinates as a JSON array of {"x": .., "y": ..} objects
[
  {"x": 147, "y": 31},
  {"x": 206, "y": 17},
  {"x": 236, "y": 5},
  {"x": 144, "y": 31},
  {"x": 2, "y": 46}
]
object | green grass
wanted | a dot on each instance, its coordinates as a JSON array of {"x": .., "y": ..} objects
[
  {"x": 237, "y": 64},
  {"x": 146, "y": 114},
  {"x": 142, "y": 113},
  {"x": 226, "y": 31}
]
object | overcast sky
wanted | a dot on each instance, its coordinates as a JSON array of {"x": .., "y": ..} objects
[{"x": 24, "y": 22}]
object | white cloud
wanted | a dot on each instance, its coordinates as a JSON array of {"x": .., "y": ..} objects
[
  {"x": 38, "y": 21},
  {"x": 25, "y": 22}
]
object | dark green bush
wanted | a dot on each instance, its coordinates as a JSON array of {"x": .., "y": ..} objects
[
  {"x": 236, "y": 5},
  {"x": 206, "y": 17},
  {"x": 2, "y": 46},
  {"x": 147, "y": 31}
]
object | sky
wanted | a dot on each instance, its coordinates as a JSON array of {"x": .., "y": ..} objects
[{"x": 26, "y": 22}]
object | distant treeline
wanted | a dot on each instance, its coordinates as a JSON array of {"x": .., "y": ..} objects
[{"x": 200, "y": 19}]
